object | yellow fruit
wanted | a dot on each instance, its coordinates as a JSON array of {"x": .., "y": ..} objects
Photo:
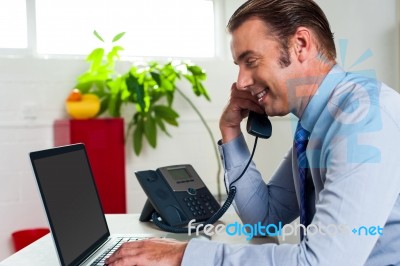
[{"x": 87, "y": 107}]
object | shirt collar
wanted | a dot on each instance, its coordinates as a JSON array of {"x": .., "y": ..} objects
[{"x": 320, "y": 99}]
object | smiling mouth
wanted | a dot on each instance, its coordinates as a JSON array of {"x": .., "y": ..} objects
[{"x": 261, "y": 95}]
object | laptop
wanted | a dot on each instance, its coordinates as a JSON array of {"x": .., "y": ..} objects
[{"x": 73, "y": 207}]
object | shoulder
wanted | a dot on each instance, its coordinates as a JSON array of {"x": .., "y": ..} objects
[
  {"x": 360, "y": 99},
  {"x": 358, "y": 105},
  {"x": 353, "y": 89},
  {"x": 389, "y": 102}
]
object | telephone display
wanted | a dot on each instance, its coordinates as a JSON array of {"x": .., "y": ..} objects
[{"x": 177, "y": 194}]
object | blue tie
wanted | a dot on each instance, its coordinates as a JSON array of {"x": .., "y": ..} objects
[{"x": 300, "y": 143}]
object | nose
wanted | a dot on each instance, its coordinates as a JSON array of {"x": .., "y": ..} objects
[{"x": 244, "y": 80}]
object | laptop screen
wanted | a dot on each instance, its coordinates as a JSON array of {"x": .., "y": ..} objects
[{"x": 71, "y": 200}]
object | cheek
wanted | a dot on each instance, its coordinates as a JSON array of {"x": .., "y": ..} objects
[{"x": 279, "y": 100}]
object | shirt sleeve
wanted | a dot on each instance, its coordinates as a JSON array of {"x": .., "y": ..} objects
[
  {"x": 251, "y": 191},
  {"x": 252, "y": 200}
]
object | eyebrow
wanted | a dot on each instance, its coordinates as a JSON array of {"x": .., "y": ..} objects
[{"x": 243, "y": 55}]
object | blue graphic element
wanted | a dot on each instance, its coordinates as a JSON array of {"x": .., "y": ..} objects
[
  {"x": 343, "y": 44},
  {"x": 367, "y": 54},
  {"x": 343, "y": 50}
]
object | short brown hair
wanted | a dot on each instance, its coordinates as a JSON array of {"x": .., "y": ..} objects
[{"x": 283, "y": 17}]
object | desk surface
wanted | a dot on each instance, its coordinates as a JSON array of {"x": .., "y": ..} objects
[{"x": 43, "y": 252}]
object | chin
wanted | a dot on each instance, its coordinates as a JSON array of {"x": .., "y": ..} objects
[{"x": 273, "y": 113}]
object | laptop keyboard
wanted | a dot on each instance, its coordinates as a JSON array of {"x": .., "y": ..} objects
[{"x": 118, "y": 242}]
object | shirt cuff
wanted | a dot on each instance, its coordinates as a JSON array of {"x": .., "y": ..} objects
[
  {"x": 206, "y": 248},
  {"x": 234, "y": 152}
]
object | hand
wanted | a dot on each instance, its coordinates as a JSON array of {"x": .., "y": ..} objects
[
  {"x": 153, "y": 251},
  {"x": 239, "y": 104}
]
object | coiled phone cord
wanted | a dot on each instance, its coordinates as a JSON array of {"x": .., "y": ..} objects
[{"x": 217, "y": 215}]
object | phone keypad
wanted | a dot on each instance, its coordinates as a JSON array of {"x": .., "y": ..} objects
[{"x": 199, "y": 205}]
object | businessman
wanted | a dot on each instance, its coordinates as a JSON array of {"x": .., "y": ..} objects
[{"x": 342, "y": 175}]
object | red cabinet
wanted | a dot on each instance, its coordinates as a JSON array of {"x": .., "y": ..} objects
[{"x": 104, "y": 141}]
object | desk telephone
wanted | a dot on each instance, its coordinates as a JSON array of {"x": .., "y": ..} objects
[{"x": 177, "y": 194}]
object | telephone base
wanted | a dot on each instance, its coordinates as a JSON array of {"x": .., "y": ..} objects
[{"x": 147, "y": 211}]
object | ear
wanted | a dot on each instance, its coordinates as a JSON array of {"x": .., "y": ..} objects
[{"x": 302, "y": 43}]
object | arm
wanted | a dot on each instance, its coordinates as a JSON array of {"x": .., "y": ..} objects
[
  {"x": 256, "y": 201},
  {"x": 252, "y": 200}
]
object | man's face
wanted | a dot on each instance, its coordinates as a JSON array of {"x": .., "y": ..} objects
[{"x": 260, "y": 72}]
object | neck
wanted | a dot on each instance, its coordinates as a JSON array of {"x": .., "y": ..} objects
[{"x": 306, "y": 86}]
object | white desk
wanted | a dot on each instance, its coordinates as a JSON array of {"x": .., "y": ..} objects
[{"x": 43, "y": 252}]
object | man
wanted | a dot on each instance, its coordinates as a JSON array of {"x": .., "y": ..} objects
[{"x": 347, "y": 185}]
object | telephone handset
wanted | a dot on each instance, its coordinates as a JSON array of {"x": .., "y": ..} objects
[
  {"x": 259, "y": 125},
  {"x": 177, "y": 195}
]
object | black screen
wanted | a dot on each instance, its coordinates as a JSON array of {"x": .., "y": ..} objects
[
  {"x": 179, "y": 174},
  {"x": 72, "y": 204}
]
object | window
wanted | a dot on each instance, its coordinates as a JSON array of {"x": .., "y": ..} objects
[
  {"x": 13, "y": 24},
  {"x": 169, "y": 28}
]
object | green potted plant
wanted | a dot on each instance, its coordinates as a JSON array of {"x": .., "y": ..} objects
[{"x": 148, "y": 87}]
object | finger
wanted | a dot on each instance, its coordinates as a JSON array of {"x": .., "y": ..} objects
[
  {"x": 244, "y": 100},
  {"x": 235, "y": 93},
  {"x": 125, "y": 261},
  {"x": 126, "y": 249},
  {"x": 243, "y": 104}
]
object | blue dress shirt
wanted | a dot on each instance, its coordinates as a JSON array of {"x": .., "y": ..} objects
[{"x": 355, "y": 172}]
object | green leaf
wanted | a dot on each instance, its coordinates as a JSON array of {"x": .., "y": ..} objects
[
  {"x": 197, "y": 72},
  {"x": 136, "y": 118},
  {"x": 114, "y": 105},
  {"x": 197, "y": 86},
  {"x": 118, "y": 36},
  {"x": 150, "y": 130},
  {"x": 138, "y": 136},
  {"x": 166, "y": 113},
  {"x": 87, "y": 80},
  {"x": 95, "y": 58},
  {"x": 98, "y": 35},
  {"x": 86, "y": 77},
  {"x": 190, "y": 78},
  {"x": 84, "y": 87},
  {"x": 113, "y": 54},
  {"x": 100, "y": 85},
  {"x": 166, "y": 84},
  {"x": 125, "y": 94},
  {"x": 104, "y": 104},
  {"x": 137, "y": 89},
  {"x": 170, "y": 73},
  {"x": 161, "y": 125},
  {"x": 115, "y": 85},
  {"x": 170, "y": 97},
  {"x": 200, "y": 88}
]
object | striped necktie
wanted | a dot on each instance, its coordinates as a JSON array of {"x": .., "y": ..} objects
[{"x": 300, "y": 143}]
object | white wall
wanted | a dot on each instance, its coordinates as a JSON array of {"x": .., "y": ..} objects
[{"x": 33, "y": 91}]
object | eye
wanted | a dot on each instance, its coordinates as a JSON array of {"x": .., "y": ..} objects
[{"x": 251, "y": 62}]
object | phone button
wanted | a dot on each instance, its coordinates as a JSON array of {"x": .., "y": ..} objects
[{"x": 192, "y": 191}]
